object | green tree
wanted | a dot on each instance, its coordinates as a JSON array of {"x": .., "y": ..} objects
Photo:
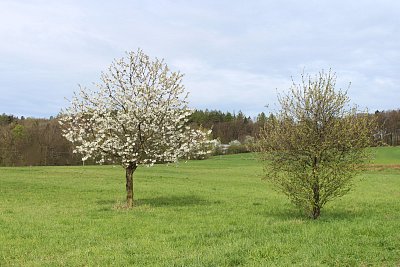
[
  {"x": 19, "y": 132},
  {"x": 261, "y": 118},
  {"x": 316, "y": 143}
]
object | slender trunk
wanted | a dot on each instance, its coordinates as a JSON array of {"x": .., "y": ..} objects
[
  {"x": 316, "y": 205},
  {"x": 316, "y": 212},
  {"x": 129, "y": 184},
  {"x": 316, "y": 209}
]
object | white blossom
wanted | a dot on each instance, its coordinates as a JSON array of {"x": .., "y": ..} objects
[{"x": 137, "y": 115}]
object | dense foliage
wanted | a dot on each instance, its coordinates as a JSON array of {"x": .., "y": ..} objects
[
  {"x": 314, "y": 145},
  {"x": 227, "y": 126},
  {"x": 389, "y": 125},
  {"x": 25, "y": 142}
]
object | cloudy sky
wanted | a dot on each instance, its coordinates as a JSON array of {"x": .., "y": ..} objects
[{"x": 236, "y": 55}]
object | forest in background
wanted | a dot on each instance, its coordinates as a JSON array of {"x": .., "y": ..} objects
[{"x": 33, "y": 141}]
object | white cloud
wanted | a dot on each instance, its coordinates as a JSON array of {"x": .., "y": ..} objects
[
  {"x": 230, "y": 89},
  {"x": 234, "y": 54}
]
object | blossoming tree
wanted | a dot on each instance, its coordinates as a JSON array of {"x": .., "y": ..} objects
[
  {"x": 316, "y": 144},
  {"x": 138, "y": 115}
]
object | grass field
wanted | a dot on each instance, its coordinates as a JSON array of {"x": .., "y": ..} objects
[
  {"x": 216, "y": 212},
  {"x": 387, "y": 155}
]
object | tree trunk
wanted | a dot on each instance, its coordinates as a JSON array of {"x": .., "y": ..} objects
[
  {"x": 316, "y": 212},
  {"x": 316, "y": 209},
  {"x": 129, "y": 184},
  {"x": 316, "y": 205}
]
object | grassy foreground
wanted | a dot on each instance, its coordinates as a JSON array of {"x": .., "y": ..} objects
[{"x": 216, "y": 212}]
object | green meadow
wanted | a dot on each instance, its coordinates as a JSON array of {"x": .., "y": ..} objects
[{"x": 215, "y": 212}]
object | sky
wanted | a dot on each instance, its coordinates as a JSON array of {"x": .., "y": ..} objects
[{"x": 236, "y": 55}]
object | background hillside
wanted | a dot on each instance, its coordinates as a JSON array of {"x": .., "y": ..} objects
[{"x": 34, "y": 141}]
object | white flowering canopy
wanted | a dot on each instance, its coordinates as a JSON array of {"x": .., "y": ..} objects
[{"x": 138, "y": 115}]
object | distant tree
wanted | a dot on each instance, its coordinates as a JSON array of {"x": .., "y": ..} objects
[
  {"x": 228, "y": 117},
  {"x": 389, "y": 123},
  {"x": 240, "y": 116},
  {"x": 7, "y": 119},
  {"x": 261, "y": 118},
  {"x": 138, "y": 115},
  {"x": 314, "y": 145},
  {"x": 18, "y": 132}
]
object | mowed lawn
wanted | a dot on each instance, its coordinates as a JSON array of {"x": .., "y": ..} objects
[{"x": 216, "y": 212}]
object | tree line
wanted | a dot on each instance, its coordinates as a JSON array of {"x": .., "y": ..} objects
[
  {"x": 33, "y": 141},
  {"x": 227, "y": 126},
  {"x": 389, "y": 123}
]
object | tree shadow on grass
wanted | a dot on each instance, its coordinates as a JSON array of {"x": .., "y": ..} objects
[
  {"x": 162, "y": 201},
  {"x": 284, "y": 214},
  {"x": 341, "y": 214},
  {"x": 327, "y": 215},
  {"x": 174, "y": 201}
]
